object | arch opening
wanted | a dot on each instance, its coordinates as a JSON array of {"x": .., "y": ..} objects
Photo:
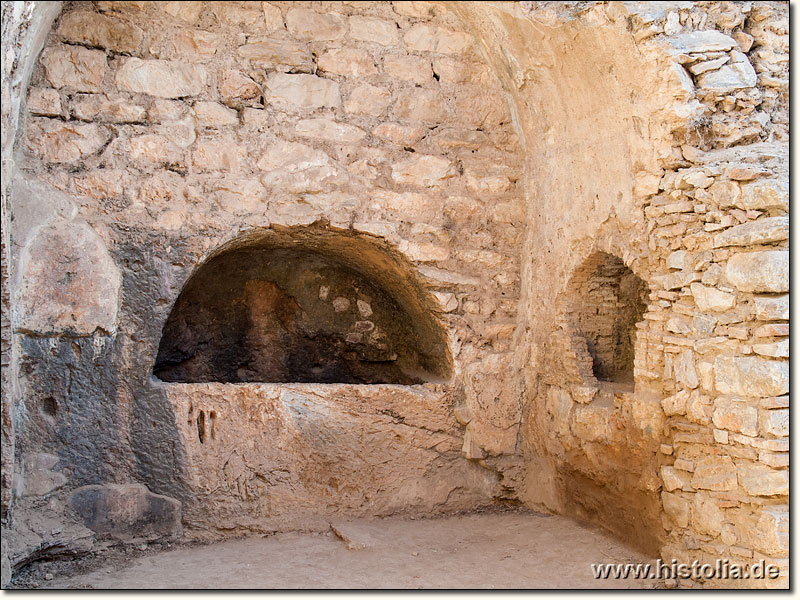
[
  {"x": 608, "y": 300},
  {"x": 303, "y": 305}
]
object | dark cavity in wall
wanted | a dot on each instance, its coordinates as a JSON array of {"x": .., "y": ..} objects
[
  {"x": 264, "y": 312},
  {"x": 610, "y": 300}
]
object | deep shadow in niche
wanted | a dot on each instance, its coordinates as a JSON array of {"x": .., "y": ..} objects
[
  {"x": 608, "y": 299},
  {"x": 307, "y": 305}
]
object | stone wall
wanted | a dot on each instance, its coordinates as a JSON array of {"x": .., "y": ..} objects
[{"x": 498, "y": 147}]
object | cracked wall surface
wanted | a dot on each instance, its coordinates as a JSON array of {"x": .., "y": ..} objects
[{"x": 497, "y": 147}]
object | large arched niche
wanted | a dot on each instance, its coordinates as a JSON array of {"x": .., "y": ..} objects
[{"x": 304, "y": 304}]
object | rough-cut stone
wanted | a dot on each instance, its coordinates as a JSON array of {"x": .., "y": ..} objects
[
  {"x": 69, "y": 282},
  {"x": 736, "y": 415},
  {"x": 215, "y": 115},
  {"x": 369, "y": 29},
  {"x": 330, "y": 130},
  {"x": 707, "y": 518},
  {"x": 674, "y": 479},
  {"x": 216, "y": 154},
  {"x": 763, "y": 271},
  {"x": 273, "y": 20},
  {"x": 237, "y": 90},
  {"x": 186, "y": 10},
  {"x": 278, "y": 53},
  {"x": 751, "y": 376},
  {"x": 427, "y": 38},
  {"x": 152, "y": 151},
  {"x": 369, "y": 100},
  {"x": 762, "y": 231},
  {"x": 44, "y": 101},
  {"x": 240, "y": 196},
  {"x": 64, "y": 142},
  {"x": 127, "y": 512},
  {"x": 303, "y": 91},
  {"x": 161, "y": 78},
  {"x": 423, "y": 170},
  {"x": 702, "y": 41},
  {"x": 775, "y": 422},
  {"x": 419, "y": 105},
  {"x": 712, "y": 299},
  {"x": 350, "y": 62},
  {"x": 764, "y": 195},
  {"x": 397, "y": 133},
  {"x": 773, "y": 349},
  {"x": 772, "y": 308},
  {"x": 685, "y": 371},
  {"x": 75, "y": 67},
  {"x": 717, "y": 473},
  {"x": 311, "y": 25},
  {"x": 760, "y": 480},
  {"x": 196, "y": 43},
  {"x": 678, "y": 508},
  {"x": 116, "y": 108},
  {"x": 416, "y": 69},
  {"x": 296, "y": 167},
  {"x": 729, "y": 78},
  {"x": 85, "y": 27}
]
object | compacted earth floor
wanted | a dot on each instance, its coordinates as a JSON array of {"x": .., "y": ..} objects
[{"x": 486, "y": 550}]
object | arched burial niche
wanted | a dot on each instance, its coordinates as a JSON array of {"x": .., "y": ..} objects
[
  {"x": 307, "y": 305},
  {"x": 605, "y": 302}
]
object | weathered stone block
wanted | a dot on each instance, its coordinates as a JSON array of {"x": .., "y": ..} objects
[
  {"x": 677, "y": 508},
  {"x": 409, "y": 68},
  {"x": 85, "y": 27},
  {"x": 761, "y": 480},
  {"x": 327, "y": 129},
  {"x": 127, "y": 512},
  {"x": 369, "y": 29},
  {"x": 736, "y": 415},
  {"x": 74, "y": 67},
  {"x": 419, "y": 105},
  {"x": 707, "y": 518},
  {"x": 212, "y": 154},
  {"x": 44, "y": 101},
  {"x": 194, "y": 43},
  {"x": 311, "y": 25},
  {"x": 762, "y": 231},
  {"x": 423, "y": 170},
  {"x": 152, "y": 151},
  {"x": 674, "y": 479},
  {"x": 702, "y": 41},
  {"x": 116, "y": 108},
  {"x": 712, "y": 299},
  {"x": 350, "y": 62},
  {"x": 763, "y": 271},
  {"x": 70, "y": 283},
  {"x": 772, "y": 308},
  {"x": 64, "y": 142},
  {"x": 728, "y": 78},
  {"x": 764, "y": 195},
  {"x": 751, "y": 376},
  {"x": 369, "y": 100},
  {"x": 237, "y": 90},
  {"x": 303, "y": 91},
  {"x": 278, "y": 53},
  {"x": 716, "y": 473},
  {"x": 775, "y": 422},
  {"x": 161, "y": 78},
  {"x": 38, "y": 477},
  {"x": 215, "y": 115}
]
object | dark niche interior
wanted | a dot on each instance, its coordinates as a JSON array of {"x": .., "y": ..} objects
[
  {"x": 610, "y": 300},
  {"x": 303, "y": 306}
]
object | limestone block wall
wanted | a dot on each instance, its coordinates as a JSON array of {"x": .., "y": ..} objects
[
  {"x": 496, "y": 147},
  {"x": 659, "y": 132},
  {"x": 166, "y": 130}
]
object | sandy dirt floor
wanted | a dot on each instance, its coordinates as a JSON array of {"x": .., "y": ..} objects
[{"x": 508, "y": 550}]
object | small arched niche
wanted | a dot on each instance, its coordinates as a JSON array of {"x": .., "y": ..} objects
[
  {"x": 606, "y": 301},
  {"x": 307, "y": 304}
]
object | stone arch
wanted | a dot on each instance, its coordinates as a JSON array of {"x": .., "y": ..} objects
[{"x": 305, "y": 304}]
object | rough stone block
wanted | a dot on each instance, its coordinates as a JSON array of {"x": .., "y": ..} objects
[
  {"x": 368, "y": 100},
  {"x": 775, "y": 422},
  {"x": 416, "y": 69},
  {"x": 751, "y": 376},
  {"x": 717, "y": 473},
  {"x": 772, "y": 308},
  {"x": 369, "y": 29},
  {"x": 736, "y": 415},
  {"x": 712, "y": 299},
  {"x": 350, "y": 62},
  {"x": 702, "y": 41},
  {"x": 761, "y": 480},
  {"x": 311, "y": 25},
  {"x": 64, "y": 142},
  {"x": 419, "y": 105},
  {"x": 74, "y": 67},
  {"x": 237, "y": 90},
  {"x": 423, "y": 170},
  {"x": 762, "y": 271},
  {"x": 44, "y": 101},
  {"x": 677, "y": 508},
  {"x": 161, "y": 78},
  {"x": 278, "y": 53},
  {"x": 303, "y": 91},
  {"x": 761, "y": 231},
  {"x": 115, "y": 108},
  {"x": 127, "y": 512},
  {"x": 215, "y": 115},
  {"x": 327, "y": 129},
  {"x": 94, "y": 29},
  {"x": 764, "y": 195}
]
